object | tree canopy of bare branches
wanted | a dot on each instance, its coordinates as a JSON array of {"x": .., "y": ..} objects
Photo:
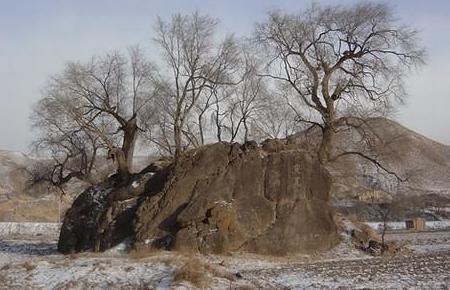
[
  {"x": 95, "y": 105},
  {"x": 194, "y": 64},
  {"x": 325, "y": 66},
  {"x": 339, "y": 59},
  {"x": 73, "y": 150}
]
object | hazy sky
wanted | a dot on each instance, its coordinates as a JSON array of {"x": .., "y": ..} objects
[{"x": 38, "y": 37}]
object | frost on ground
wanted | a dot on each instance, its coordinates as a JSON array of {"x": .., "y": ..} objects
[
  {"x": 430, "y": 225},
  {"x": 37, "y": 265},
  {"x": 29, "y": 230},
  {"x": 31, "y": 264}
]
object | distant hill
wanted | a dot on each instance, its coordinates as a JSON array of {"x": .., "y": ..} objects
[
  {"x": 424, "y": 163},
  {"x": 13, "y": 176},
  {"x": 18, "y": 200}
]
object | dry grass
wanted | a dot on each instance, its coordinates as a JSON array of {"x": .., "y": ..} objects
[
  {"x": 29, "y": 266},
  {"x": 245, "y": 287},
  {"x": 198, "y": 272},
  {"x": 353, "y": 218},
  {"x": 142, "y": 251},
  {"x": 68, "y": 285},
  {"x": 30, "y": 210},
  {"x": 194, "y": 272}
]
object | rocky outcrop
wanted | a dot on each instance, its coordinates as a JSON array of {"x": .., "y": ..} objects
[
  {"x": 224, "y": 198},
  {"x": 101, "y": 216},
  {"x": 216, "y": 199}
]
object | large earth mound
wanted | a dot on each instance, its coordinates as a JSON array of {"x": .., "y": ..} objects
[{"x": 216, "y": 199}]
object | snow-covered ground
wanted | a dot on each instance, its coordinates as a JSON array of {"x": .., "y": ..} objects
[
  {"x": 424, "y": 242},
  {"x": 429, "y": 225},
  {"x": 38, "y": 266},
  {"x": 29, "y": 230},
  {"x": 35, "y": 264}
]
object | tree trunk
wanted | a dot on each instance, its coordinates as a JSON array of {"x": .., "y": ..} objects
[
  {"x": 383, "y": 233},
  {"x": 177, "y": 140},
  {"x": 129, "y": 140},
  {"x": 122, "y": 165},
  {"x": 246, "y": 131},
  {"x": 326, "y": 144},
  {"x": 124, "y": 156},
  {"x": 328, "y": 132},
  {"x": 200, "y": 128}
]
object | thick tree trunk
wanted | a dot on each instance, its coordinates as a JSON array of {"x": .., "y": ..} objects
[
  {"x": 122, "y": 165},
  {"x": 326, "y": 144},
  {"x": 124, "y": 156},
  {"x": 328, "y": 132},
  {"x": 129, "y": 141}
]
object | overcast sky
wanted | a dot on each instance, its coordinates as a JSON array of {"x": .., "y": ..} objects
[{"x": 38, "y": 37}]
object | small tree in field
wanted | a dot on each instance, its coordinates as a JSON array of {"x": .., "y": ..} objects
[
  {"x": 337, "y": 59},
  {"x": 388, "y": 210}
]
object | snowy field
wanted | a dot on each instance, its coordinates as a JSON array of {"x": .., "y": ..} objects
[
  {"x": 34, "y": 264},
  {"x": 430, "y": 225},
  {"x": 29, "y": 230}
]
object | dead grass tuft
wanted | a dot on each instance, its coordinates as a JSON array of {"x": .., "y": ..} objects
[
  {"x": 245, "y": 287},
  {"x": 198, "y": 272},
  {"x": 142, "y": 251},
  {"x": 29, "y": 266},
  {"x": 193, "y": 271}
]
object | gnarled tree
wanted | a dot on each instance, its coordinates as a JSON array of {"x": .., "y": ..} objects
[
  {"x": 103, "y": 100},
  {"x": 73, "y": 150},
  {"x": 339, "y": 58}
]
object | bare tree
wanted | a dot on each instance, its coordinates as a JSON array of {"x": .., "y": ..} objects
[
  {"x": 73, "y": 149},
  {"x": 194, "y": 64},
  {"x": 337, "y": 57},
  {"x": 219, "y": 112},
  {"x": 276, "y": 118},
  {"x": 250, "y": 110},
  {"x": 103, "y": 100},
  {"x": 247, "y": 101},
  {"x": 386, "y": 211}
]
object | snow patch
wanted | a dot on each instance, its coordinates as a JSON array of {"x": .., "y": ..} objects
[
  {"x": 8, "y": 229},
  {"x": 429, "y": 225},
  {"x": 135, "y": 184}
]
